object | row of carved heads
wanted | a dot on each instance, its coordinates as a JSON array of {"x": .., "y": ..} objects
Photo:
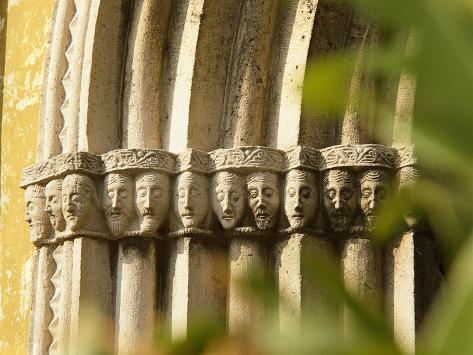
[{"x": 137, "y": 204}]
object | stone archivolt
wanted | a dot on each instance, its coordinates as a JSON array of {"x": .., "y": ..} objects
[{"x": 239, "y": 191}]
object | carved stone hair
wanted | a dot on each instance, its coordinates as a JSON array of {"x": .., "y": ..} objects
[
  {"x": 151, "y": 175},
  {"x": 116, "y": 177},
  {"x": 300, "y": 175},
  {"x": 81, "y": 181},
  {"x": 36, "y": 191},
  {"x": 375, "y": 175},
  {"x": 261, "y": 176},
  {"x": 226, "y": 177},
  {"x": 339, "y": 174}
]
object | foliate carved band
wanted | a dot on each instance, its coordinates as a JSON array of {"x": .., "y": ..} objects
[{"x": 128, "y": 193}]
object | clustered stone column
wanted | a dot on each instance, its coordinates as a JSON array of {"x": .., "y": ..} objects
[{"x": 198, "y": 201}]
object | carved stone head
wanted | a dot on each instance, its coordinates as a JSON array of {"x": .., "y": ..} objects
[
  {"x": 263, "y": 198},
  {"x": 79, "y": 201},
  {"x": 228, "y": 197},
  {"x": 340, "y": 198},
  {"x": 53, "y": 193},
  {"x": 117, "y": 202},
  {"x": 191, "y": 201},
  {"x": 300, "y": 199},
  {"x": 152, "y": 199},
  {"x": 375, "y": 186},
  {"x": 36, "y": 215}
]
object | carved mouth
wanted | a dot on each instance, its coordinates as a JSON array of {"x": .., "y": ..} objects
[
  {"x": 297, "y": 216},
  {"x": 227, "y": 217},
  {"x": 262, "y": 215},
  {"x": 187, "y": 215}
]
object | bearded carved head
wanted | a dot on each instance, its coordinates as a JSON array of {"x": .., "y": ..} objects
[
  {"x": 79, "y": 201},
  {"x": 228, "y": 198},
  {"x": 191, "y": 201},
  {"x": 152, "y": 199},
  {"x": 340, "y": 198},
  {"x": 36, "y": 215},
  {"x": 263, "y": 198},
  {"x": 375, "y": 186},
  {"x": 300, "y": 197},
  {"x": 117, "y": 202},
  {"x": 53, "y": 193}
]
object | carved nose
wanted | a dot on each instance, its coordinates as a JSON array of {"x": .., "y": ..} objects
[
  {"x": 185, "y": 202},
  {"x": 372, "y": 203},
  {"x": 115, "y": 201},
  {"x": 27, "y": 217},
  {"x": 337, "y": 203},
  {"x": 148, "y": 201},
  {"x": 226, "y": 206}
]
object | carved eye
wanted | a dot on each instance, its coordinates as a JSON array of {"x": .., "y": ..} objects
[
  {"x": 142, "y": 192},
  {"x": 268, "y": 192},
  {"x": 346, "y": 194},
  {"x": 182, "y": 193},
  {"x": 330, "y": 194},
  {"x": 110, "y": 194},
  {"x": 253, "y": 193},
  {"x": 366, "y": 193},
  {"x": 195, "y": 193},
  {"x": 305, "y": 193},
  {"x": 157, "y": 194},
  {"x": 381, "y": 194},
  {"x": 235, "y": 196},
  {"x": 291, "y": 191},
  {"x": 220, "y": 196}
]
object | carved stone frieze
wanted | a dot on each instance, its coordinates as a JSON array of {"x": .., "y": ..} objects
[
  {"x": 406, "y": 157},
  {"x": 237, "y": 188},
  {"x": 192, "y": 160},
  {"x": 303, "y": 157},
  {"x": 246, "y": 159},
  {"x": 60, "y": 165},
  {"x": 129, "y": 159},
  {"x": 363, "y": 155}
]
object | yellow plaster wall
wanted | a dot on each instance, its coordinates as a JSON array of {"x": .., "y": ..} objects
[{"x": 26, "y": 25}]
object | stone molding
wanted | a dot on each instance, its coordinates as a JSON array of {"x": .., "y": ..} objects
[
  {"x": 254, "y": 169},
  {"x": 240, "y": 159}
]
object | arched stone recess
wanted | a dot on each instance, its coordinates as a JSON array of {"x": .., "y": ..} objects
[{"x": 175, "y": 160}]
